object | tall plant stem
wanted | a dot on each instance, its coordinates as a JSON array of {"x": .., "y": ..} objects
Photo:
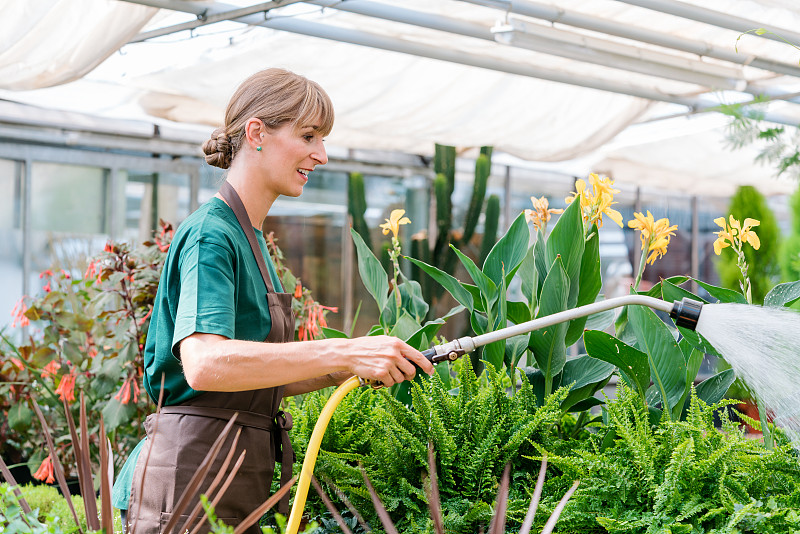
[
  {"x": 769, "y": 442},
  {"x": 642, "y": 263}
]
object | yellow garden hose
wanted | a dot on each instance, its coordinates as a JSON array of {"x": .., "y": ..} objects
[{"x": 313, "y": 449}]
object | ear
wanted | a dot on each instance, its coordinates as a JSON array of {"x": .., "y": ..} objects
[{"x": 255, "y": 131}]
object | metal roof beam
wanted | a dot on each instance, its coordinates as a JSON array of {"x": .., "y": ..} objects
[
  {"x": 212, "y": 18},
  {"x": 715, "y": 18},
  {"x": 184, "y": 6},
  {"x": 587, "y": 22},
  {"x": 372, "y": 40}
]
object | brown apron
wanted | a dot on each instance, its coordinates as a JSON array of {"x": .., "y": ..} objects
[{"x": 186, "y": 432}]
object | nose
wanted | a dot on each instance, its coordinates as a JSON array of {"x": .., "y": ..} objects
[{"x": 320, "y": 155}]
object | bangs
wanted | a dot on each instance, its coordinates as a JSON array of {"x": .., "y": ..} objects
[{"x": 316, "y": 110}]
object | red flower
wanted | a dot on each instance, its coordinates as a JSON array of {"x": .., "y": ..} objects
[
  {"x": 298, "y": 290},
  {"x": 50, "y": 369},
  {"x": 18, "y": 363},
  {"x": 48, "y": 273},
  {"x": 108, "y": 247},
  {"x": 146, "y": 317},
  {"x": 66, "y": 388},
  {"x": 90, "y": 270},
  {"x": 129, "y": 387},
  {"x": 18, "y": 313},
  {"x": 47, "y": 288},
  {"x": 45, "y": 472}
]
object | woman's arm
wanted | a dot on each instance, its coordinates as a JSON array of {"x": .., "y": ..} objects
[
  {"x": 313, "y": 384},
  {"x": 216, "y": 363}
]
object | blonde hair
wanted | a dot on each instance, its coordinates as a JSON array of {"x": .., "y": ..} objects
[{"x": 277, "y": 97}]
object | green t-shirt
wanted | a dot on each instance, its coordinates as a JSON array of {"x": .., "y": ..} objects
[{"x": 211, "y": 284}]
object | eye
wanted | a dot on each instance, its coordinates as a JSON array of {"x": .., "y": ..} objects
[{"x": 308, "y": 137}]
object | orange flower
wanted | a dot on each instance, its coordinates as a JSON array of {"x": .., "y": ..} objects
[
  {"x": 66, "y": 388},
  {"x": 18, "y": 363},
  {"x": 298, "y": 290},
  {"x": 91, "y": 270},
  {"x": 540, "y": 213},
  {"x": 18, "y": 313},
  {"x": 50, "y": 369},
  {"x": 146, "y": 317},
  {"x": 45, "y": 473},
  {"x": 129, "y": 388}
]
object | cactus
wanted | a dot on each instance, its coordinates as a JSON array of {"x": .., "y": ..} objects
[
  {"x": 483, "y": 168},
  {"x": 491, "y": 223},
  {"x": 440, "y": 255},
  {"x": 357, "y": 205},
  {"x": 447, "y": 231}
]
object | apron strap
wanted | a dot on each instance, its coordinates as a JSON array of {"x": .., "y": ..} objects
[
  {"x": 235, "y": 202},
  {"x": 249, "y": 419},
  {"x": 285, "y": 453}
]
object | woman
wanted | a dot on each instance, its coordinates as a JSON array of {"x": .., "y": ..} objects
[{"x": 219, "y": 299}]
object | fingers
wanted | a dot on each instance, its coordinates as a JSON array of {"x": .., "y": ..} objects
[{"x": 387, "y": 359}]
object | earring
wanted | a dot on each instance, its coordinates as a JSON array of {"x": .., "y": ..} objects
[{"x": 258, "y": 148}]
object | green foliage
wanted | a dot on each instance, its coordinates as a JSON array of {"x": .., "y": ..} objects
[
  {"x": 357, "y": 205},
  {"x": 50, "y": 512},
  {"x": 763, "y": 263},
  {"x": 777, "y": 145},
  {"x": 675, "y": 476},
  {"x": 475, "y": 428},
  {"x": 449, "y": 233},
  {"x": 790, "y": 247}
]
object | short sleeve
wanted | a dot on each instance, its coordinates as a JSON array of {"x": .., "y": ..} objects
[{"x": 207, "y": 293}]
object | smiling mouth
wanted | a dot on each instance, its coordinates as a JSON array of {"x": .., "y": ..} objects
[{"x": 304, "y": 172}]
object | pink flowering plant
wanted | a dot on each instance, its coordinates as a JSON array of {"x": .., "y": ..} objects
[
  {"x": 88, "y": 335},
  {"x": 83, "y": 334}
]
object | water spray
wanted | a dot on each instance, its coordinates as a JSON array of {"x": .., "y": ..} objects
[{"x": 686, "y": 313}]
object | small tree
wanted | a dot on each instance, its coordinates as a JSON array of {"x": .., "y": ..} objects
[
  {"x": 764, "y": 269},
  {"x": 790, "y": 247}
]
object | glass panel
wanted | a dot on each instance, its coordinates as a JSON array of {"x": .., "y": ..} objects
[
  {"x": 68, "y": 218},
  {"x": 10, "y": 239},
  {"x": 168, "y": 192},
  {"x": 309, "y": 232}
]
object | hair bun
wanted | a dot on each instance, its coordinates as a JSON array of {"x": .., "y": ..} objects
[{"x": 218, "y": 149}]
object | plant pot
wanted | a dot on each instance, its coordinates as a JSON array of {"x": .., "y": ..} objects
[{"x": 750, "y": 409}]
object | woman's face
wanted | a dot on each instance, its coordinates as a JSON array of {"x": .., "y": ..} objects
[{"x": 289, "y": 153}]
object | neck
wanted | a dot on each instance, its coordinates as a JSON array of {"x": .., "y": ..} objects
[{"x": 257, "y": 201}]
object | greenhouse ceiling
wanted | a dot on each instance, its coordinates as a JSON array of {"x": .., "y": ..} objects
[{"x": 625, "y": 85}]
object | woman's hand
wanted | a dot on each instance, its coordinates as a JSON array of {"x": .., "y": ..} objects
[{"x": 383, "y": 358}]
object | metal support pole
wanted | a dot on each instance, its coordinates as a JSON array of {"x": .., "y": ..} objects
[
  {"x": 695, "y": 244},
  {"x": 194, "y": 189},
  {"x": 26, "y": 226},
  {"x": 637, "y": 251},
  {"x": 507, "y": 199},
  {"x": 347, "y": 273}
]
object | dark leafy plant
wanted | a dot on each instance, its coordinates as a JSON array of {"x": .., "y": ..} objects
[{"x": 90, "y": 340}]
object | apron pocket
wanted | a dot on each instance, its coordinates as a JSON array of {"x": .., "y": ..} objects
[{"x": 165, "y": 517}]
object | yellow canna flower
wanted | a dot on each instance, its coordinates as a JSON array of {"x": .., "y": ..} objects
[
  {"x": 540, "y": 213},
  {"x": 580, "y": 191},
  {"x": 654, "y": 235},
  {"x": 749, "y": 236},
  {"x": 602, "y": 186},
  {"x": 394, "y": 221},
  {"x": 596, "y": 200},
  {"x": 736, "y": 234},
  {"x": 604, "y": 207}
]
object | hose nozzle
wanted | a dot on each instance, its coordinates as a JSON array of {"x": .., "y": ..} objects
[{"x": 686, "y": 312}]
